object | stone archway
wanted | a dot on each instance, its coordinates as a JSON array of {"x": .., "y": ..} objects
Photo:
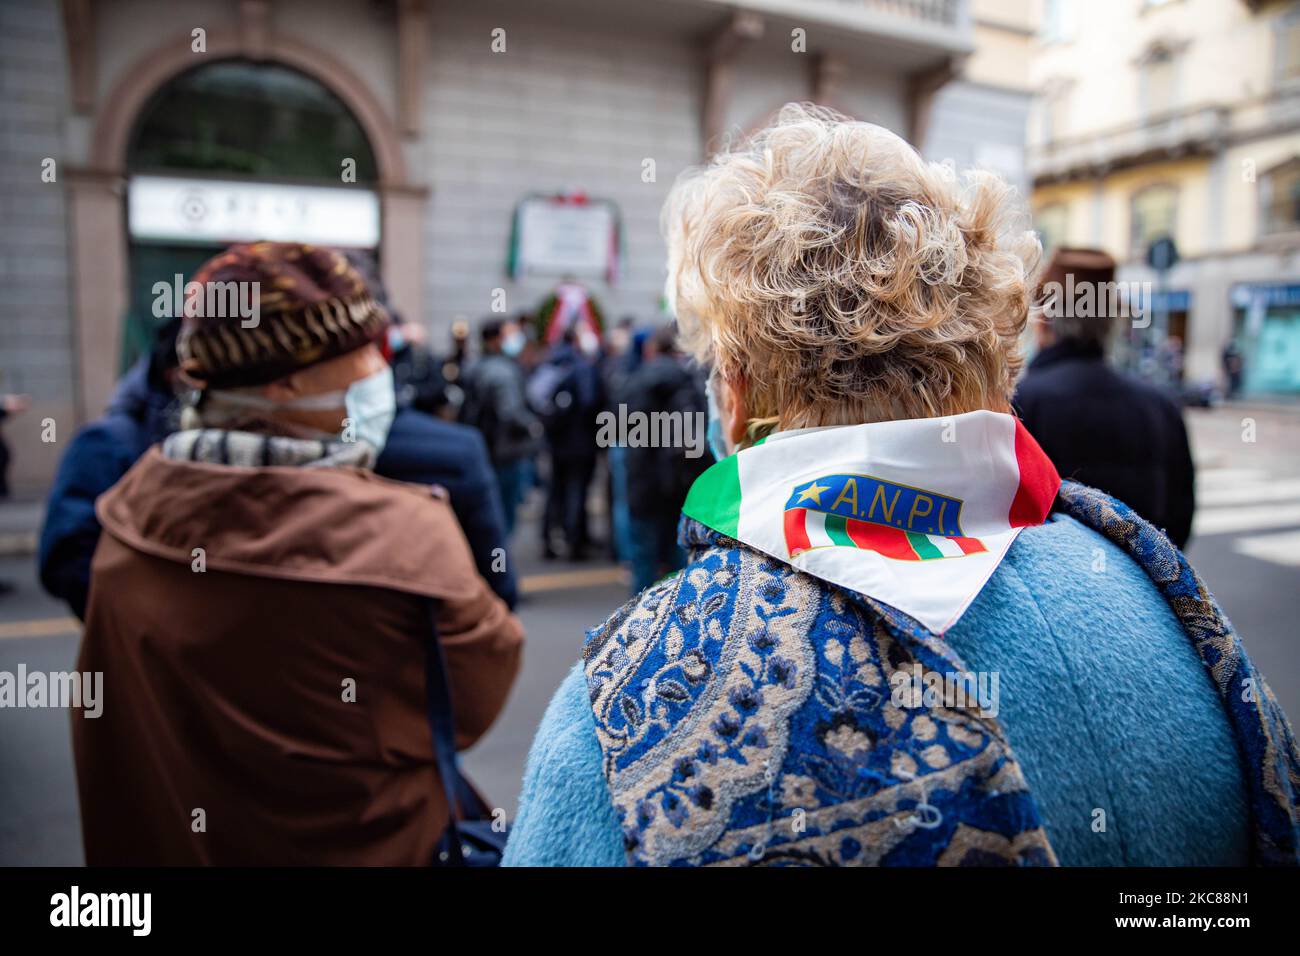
[{"x": 96, "y": 192}]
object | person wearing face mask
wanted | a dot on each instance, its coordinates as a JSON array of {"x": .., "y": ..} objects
[
  {"x": 495, "y": 405},
  {"x": 261, "y": 602},
  {"x": 900, "y": 639}
]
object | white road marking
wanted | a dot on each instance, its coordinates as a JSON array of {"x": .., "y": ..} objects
[
  {"x": 1233, "y": 500},
  {"x": 1249, "y": 492},
  {"x": 1282, "y": 548},
  {"x": 1229, "y": 476},
  {"x": 1231, "y": 520}
]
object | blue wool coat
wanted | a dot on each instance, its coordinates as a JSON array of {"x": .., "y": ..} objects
[{"x": 1103, "y": 699}]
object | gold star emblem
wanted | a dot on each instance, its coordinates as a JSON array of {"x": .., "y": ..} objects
[{"x": 813, "y": 493}]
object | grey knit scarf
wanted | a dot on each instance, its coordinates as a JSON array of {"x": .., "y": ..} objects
[{"x": 217, "y": 446}]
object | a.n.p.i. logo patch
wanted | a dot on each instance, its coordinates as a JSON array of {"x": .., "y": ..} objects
[{"x": 862, "y": 511}]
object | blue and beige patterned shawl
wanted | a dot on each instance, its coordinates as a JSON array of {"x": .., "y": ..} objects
[{"x": 730, "y": 736}]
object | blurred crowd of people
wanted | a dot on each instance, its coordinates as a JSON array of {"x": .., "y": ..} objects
[{"x": 534, "y": 392}]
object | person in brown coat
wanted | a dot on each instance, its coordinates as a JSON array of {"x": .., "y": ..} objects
[{"x": 260, "y": 601}]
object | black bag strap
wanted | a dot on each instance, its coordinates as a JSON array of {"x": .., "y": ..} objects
[{"x": 443, "y": 730}]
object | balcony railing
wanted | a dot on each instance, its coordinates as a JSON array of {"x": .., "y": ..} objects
[
  {"x": 938, "y": 24},
  {"x": 945, "y": 12},
  {"x": 1186, "y": 133}
]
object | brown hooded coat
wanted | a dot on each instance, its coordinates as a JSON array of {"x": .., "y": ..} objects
[{"x": 225, "y": 690}]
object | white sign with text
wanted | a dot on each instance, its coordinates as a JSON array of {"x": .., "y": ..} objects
[{"x": 165, "y": 208}]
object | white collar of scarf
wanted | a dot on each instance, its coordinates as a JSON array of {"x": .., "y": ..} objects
[{"x": 917, "y": 514}]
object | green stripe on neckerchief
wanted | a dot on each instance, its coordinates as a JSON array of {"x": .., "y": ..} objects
[
  {"x": 837, "y": 530},
  {"x": 714, "y": 498},
  {"x": 922, "y": 546}
]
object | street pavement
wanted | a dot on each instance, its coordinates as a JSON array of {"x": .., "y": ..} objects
[
  {"x": 1246, "y": 545},
  {"x": 1246, "y": 532}
]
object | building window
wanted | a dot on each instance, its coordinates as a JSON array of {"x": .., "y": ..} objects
[
  {"x": 1279, "y": 193},
  {"x": 1287, "y": 47},
  {"x": 1159, "y": 79},
  {"x": 256, "y": 120},
  {"x": 1052, "y": 222},
  {"x": 1153, "y": 213},
  {"x": 1054, "y": 112},
  {"x": 242, "y": 127},
  {"x": 1057, "y": 21}
]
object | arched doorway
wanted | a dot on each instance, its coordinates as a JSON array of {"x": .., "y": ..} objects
[
  {"x": 102, "y": 272},
  {"x": 238, "y": 150}
]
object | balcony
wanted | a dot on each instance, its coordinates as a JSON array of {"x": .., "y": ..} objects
[
  {"x": 909, "y": 33},
  {"x": 1191, "y": 132},
  {"x": 925, "y": 13}
]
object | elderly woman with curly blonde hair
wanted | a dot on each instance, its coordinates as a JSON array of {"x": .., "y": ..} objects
[{"x": 901, "y": 639}]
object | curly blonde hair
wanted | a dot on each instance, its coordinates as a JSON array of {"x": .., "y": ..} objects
[{"x": 846, "y": 279}]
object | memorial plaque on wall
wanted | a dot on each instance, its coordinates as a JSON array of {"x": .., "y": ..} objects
[{"x": 565, "y": 236}]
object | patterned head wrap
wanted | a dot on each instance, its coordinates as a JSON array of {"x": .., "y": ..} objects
[{"x": 312, "y": 306}]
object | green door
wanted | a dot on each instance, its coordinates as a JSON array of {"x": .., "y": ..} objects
[
  {"x": 1273, "y": 358},
  {"x": 152, "y": 263}
]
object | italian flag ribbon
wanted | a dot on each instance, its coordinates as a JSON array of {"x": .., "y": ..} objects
[{"x": 917, "y": 514}]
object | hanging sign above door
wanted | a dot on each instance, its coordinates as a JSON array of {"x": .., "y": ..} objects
[{"x": 176, "y": 209}]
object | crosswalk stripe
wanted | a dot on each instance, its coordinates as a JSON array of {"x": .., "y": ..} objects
[
  {"x": 1235, "y": 500},
  {"x": 1231, "y": 520},
  {"x": 1229, "y": 476},
  {"x": 1281, "y": 548},
  {"x": 1249, "y": 493}
]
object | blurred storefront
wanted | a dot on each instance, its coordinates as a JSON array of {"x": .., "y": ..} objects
[
  {"x": 1266, "y": 328},
  {"x": 1179, "y": 120},
  {"x": 236, "y": 150},
  {"x": 417, "y": 132}
]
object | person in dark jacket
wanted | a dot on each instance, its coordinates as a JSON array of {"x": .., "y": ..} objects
[
  {"x": 1234, "y": 365},
  {"x": 426, "y": 450},
  {"x": 659, "y": 475},
  {"x": 1100, "y": 427},
  {"x": 9, "y": 405},
  {"x": 420, "y": 449},
  {"x": 625, "y": 349},
  {"x": 567, "y": 392},
  {"x": 140, "y": 413},
  {"x": 496, "y": 406}
]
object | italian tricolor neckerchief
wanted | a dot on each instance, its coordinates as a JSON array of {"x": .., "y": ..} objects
[{"x": 917, "y": 514}]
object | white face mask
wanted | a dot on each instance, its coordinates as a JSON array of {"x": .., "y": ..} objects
[
  {"x": 514, "y": 343},
  {"x": 717, "y": 443},
  {"x": 369, "y": 403}
]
